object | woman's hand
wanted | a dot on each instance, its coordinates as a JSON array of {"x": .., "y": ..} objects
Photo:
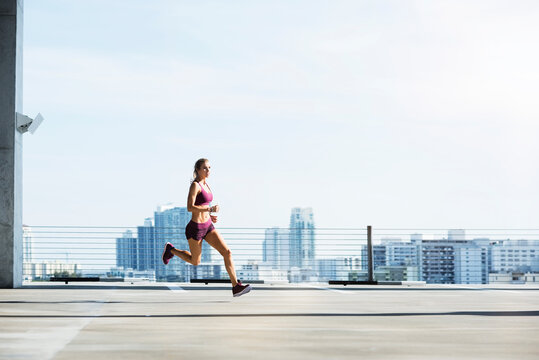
[
  {"x": 213, "y": 218},
  {"x": 214, "y": 208}
]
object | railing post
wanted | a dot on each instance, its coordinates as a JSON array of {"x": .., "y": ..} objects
[{"x": 369, "y": 252}]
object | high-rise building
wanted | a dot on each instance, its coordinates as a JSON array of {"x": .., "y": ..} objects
[
  {"x": 126, "y": 250},
  {"x": 302, "y": 247},
  {"x": 276, "y": 248},
  {"x": 148, "y": 254}
]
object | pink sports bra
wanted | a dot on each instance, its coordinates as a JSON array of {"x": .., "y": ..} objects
[{"x": 203, "y": 197}]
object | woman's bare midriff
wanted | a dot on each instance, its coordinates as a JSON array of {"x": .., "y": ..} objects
[{"x": 201, "y": 217}]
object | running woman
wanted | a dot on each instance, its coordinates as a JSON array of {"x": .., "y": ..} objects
[{"x": 201, "y": 227}]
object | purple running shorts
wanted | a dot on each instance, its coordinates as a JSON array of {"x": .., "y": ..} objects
[{"x": 198, "y": 231}]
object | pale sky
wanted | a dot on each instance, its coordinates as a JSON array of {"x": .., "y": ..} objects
[{"x": 385, "y": 113}]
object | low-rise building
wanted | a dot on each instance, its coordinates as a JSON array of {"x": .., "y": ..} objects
[
  {"x": 337, "y": 268},
  {"x": 514, "y": 278},
  {"x": 396, "y": 273},
  {"x": 44, "y": 270}
]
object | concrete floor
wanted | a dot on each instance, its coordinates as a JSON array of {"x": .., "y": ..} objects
[{"x": 182, "y": 321}]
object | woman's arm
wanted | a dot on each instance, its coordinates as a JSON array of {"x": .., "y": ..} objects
[{"x": 191, "y": 207}]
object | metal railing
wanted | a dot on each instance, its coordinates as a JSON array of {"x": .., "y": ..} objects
[{"x": 286, "y": 255}]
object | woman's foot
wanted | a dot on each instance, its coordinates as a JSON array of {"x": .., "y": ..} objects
[
  {"x": 240, "y": 289},
  {"x": 167, "y": 254}
]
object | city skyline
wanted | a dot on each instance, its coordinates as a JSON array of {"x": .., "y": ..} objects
[
  {"x": 300, "y": 252},
  {"x": 448, "y": 260},
  {"x": 323, "y": 239},
  {"x": 291, "y": 254},
  {"x": 390, "y": 114}
]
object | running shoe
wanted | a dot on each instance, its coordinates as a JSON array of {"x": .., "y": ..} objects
[
  {"x": 167, "y": 254},
  {"x": 240, "y": 289}
]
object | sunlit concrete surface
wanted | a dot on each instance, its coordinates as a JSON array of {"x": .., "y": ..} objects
[{"x": 182, "y": 321}]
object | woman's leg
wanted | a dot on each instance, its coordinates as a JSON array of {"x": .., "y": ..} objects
[
  {"x": 218, "y": 243},
  {"x": 192, "y": 257}
]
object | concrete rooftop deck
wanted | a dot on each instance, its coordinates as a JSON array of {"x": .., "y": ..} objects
[{"x": 183, "y": 321}]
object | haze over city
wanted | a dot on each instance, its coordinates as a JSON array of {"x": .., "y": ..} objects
[{"x": 391, "y": 114}]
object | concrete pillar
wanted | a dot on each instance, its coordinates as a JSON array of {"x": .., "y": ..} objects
[{"x": 11, "y": 24}]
